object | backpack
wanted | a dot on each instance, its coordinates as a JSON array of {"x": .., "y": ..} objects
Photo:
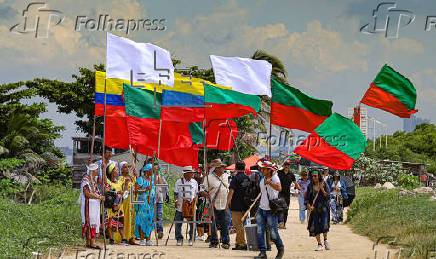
[{"x": 252, "y": 190}]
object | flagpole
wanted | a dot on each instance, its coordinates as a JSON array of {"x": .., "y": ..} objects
[
  {"x": 155, "y": 179},
  {"x": 234, "y": 141},
  {"x": 103, "y": 170},
  {"x": 92, "y": 141},
  {"x": 270, "y": 138}
]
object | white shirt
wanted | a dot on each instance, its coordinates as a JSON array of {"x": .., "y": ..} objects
[
  {"x": 211, "y": 184},
  {"x": 273, "y": 194},
  {"x": 189, "y": 192},
  {"x": 337, "y": 185}
]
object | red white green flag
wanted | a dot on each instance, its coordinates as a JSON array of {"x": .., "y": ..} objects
[
  {"x": 293, "y": 109},
  {"x": 392, "y": 92},
  {"x": 336, "y": 143}
]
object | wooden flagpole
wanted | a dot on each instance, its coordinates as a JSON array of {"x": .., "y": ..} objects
[
  {"x": 103, "y": 170},
  {"x": 92, "y": 142},
  {"x": 234, "y": 140},
  {"x": 155, "y": 179}
]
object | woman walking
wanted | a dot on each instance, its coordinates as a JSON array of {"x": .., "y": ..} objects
[
  {"x": 317, "y": 201},
  {"x": 337, "y": 195},
  {"x": 303, "y": 183},
  {"x": 144, "y": 222},
  {"x": 89, "y": 201},
  {"x": 128, "y": 181}
]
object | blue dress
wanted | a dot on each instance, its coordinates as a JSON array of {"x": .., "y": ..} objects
[{"x": 145, "y": 213}]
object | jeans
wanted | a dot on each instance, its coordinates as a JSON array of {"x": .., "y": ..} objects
[
  {"x": 179, "y": 236},
  {"x": 222, "y": 220},
  {"x": 263, "y": 217},
  {"x": 159, "y": 215},
  {"x": 337, "y": 210},
  {"x": 302, "y": 207}
]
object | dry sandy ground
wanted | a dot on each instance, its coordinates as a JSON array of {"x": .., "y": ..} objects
[{"x": 344, "y": 244}]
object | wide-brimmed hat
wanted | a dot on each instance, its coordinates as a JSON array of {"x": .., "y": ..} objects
[
  {"x": 268, "y": 164},
  {"x": 217, "y": 163},
  {"x": 188, "y": 169},
  {"x": 92, "y": 167},
  {"x": 336, "y": 173}
]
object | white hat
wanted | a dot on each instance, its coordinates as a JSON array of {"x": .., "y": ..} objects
[
  {"x": 92, "y": 167},
  {"x": 188, "y": 169}
]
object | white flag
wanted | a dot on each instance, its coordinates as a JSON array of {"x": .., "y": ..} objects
[
  {"x": 244, "y": 75},
  {"x": 124, "y": 55}
]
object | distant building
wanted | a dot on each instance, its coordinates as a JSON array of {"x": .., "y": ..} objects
[
  {"x": 359, "y": 115},
  {"x": 409, "y": 124}
]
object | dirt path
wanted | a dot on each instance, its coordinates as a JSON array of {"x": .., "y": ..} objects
[{"x": 344, "y": 244}]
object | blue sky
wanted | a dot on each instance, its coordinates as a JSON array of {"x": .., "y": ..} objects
[{"x": 319, "y": 42}]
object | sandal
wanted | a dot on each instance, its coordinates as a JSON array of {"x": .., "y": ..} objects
[{"x": 95, "y": 247}]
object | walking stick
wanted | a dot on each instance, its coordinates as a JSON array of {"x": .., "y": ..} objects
[
  {"x": 169, "y": 232},
  {"x": 252, "y": 205},
  {"x": 92, "y": 142}
]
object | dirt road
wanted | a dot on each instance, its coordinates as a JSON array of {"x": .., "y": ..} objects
[{"x": 344, "y": 244}]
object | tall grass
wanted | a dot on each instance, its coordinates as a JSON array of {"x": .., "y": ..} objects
[
  {"x": 410, "y": 221},
  {"x": 54, "y": 222}
]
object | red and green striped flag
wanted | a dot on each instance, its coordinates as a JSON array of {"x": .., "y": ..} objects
[
  {"x": 293, "y": 109},
  {"x": 336, "y": 143},
  {"x": 392, "y": 92},
  {"x": 177, "y": 141},
  {"x": 226, "y": 103}
]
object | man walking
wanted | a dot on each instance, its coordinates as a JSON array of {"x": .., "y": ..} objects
[
  {"x": 270, "y": 186},
  {"x": 235, "y": 200},
  {"x": 286, "y": 179},
  {"x": 182, "y": 193},
  {"x": 215, "y": 187}
]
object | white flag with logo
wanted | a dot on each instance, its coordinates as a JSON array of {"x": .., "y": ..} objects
[
  {"x": 244, "y": 75},
  {"x": 124, "y": 55}
]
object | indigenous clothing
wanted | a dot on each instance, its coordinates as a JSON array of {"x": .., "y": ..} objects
[
  {"x": 115, "y": 217},
  {"x": 89, "y": 208},
  {"x": 319, "y": 219},
  {"x": 127, "y": 207},
  {"x": 145, "y": 215}
]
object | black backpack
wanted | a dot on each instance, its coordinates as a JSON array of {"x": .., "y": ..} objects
[{"x": 252, "y": 190}]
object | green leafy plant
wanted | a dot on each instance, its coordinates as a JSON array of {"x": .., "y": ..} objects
[{"x": 408, "y": 181}]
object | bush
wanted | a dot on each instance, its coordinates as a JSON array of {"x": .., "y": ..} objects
[{"x": 408, "y": 182}]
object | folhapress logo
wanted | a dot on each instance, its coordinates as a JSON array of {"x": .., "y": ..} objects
[
  {"x": 37, "y": 19},
  {"x": 388, "y": 20}
]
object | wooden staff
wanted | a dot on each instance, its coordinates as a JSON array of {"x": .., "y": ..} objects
[
  {"x": 103, "y": 170},
  {"x": 155, "y": 186},
  {"x": 234, "y": 140},
  {"x": 92, "y": 142}
]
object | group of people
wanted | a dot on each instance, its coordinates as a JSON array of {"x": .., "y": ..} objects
[
  {"x": 131, "y": 221},
  {"x": 210, "y": 196}
]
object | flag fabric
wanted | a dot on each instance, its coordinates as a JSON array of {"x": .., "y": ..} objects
[
  {"x": 114, "y": 98},
  {"x": 293, "y": 109},
  {"x": 336, "y": 143},
  {"x": 179, "y": 102},
  {"x": 124, "y": 55},
  {"x": 220, "y": 134},
  {"x": 244, "y": 75},
  {"x": 391, "y": 92},
  {"x": 227, "y": 103}
]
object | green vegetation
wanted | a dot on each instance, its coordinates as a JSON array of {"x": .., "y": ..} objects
[
  {"x": 54, "y": 221},
  {"x": 380, "y": 213},
  {"x": 417, "y": 146}
]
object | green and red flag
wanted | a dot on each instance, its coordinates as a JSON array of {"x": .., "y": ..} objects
[
  {"x": 293, "y": 109},
  {"x": 143, "y": 124},
  {"x": 226, "y": 103},
  {"x": 336, "y": 143},
  {"x": 392, "y": 92}
]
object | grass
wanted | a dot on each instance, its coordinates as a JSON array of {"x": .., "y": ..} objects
[
  {"x": 380, "y": 213},
  {"x": 53, "y": 222}
]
